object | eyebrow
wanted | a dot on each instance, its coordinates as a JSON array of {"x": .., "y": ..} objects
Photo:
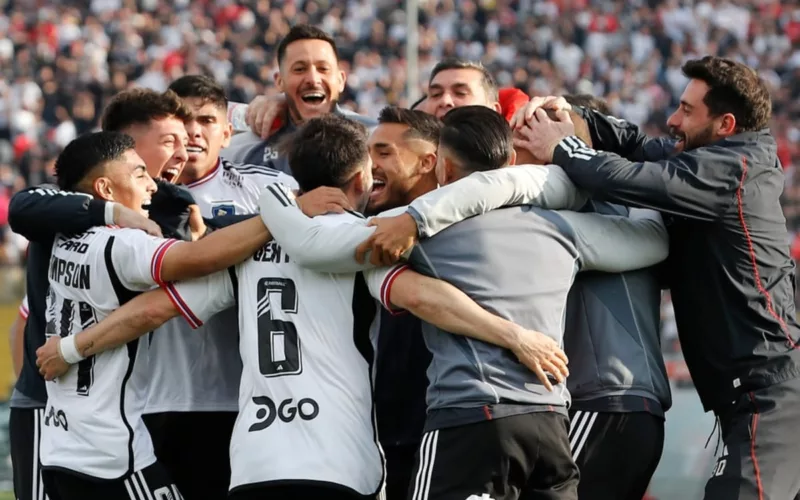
[
  {"x": 686, "y": 104},
  {"x": 139, "y": 167},
  {"x": 381, "y": 145}
]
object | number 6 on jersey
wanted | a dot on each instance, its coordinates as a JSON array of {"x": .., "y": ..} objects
[{"x": 278, "y": 343}]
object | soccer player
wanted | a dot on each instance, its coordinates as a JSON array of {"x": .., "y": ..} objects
[
  {"x": 37, "y": 213},
  {"x": 198, "y": 372},
  {"x": 305, "y": 425},
  {"x": 730, "y": 272},
  {"x": 156, "y": 123},
  {"x": 464, "y": 417},
  {"x": 311, "y": 81},
  {"x": 93, "y": 441}
]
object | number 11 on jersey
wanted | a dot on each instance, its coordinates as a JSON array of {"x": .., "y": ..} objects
[{"x": 279, "y": 350}]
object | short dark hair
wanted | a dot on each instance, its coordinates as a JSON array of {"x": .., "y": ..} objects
[
  {"x": 589, "y": 101},
  {"x": 420, "y": 125},
  {"x": 305, "y": 32},
  {"x": 201, "y": 87},
  {"x": 479, "y": 137},
  {"x": 326, "y": 151},
  {"x": 487, "y": 80},
  {"x": 140, "y": 106},
  {"x": 88, "y": 152},
  {"x": 733, "y": 88}
]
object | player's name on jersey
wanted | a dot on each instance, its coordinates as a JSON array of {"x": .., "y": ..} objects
[
  {"x": 231, "y": 178},
  {"x": 70, "y": 274},
  {"x": 271, "y": 252}
]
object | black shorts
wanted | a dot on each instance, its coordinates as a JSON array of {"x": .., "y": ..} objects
[
  {"x": 519, "y": 457},
  {"x": 150, "y": 483},
  {"x": 194, "y": 448},
  {"x": 296, "y": 492},
  {"x": 399, "y": 469},
  {"x": 24, "y": 427},
  {"x": 760, "y": 456},
  {"x": 616, "y": 453}
]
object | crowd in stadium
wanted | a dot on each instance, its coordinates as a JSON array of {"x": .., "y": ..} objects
[{"x": 72, "y": 72}]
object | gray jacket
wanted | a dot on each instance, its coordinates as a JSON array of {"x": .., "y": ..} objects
[
  {"x": 249, "y": 149},
  {"x": 613, "y": 320},
  {"x": 612, "y": 338}
]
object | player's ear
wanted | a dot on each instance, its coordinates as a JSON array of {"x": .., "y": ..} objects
[
  {"x": 427, "y": 163},
  {"x": 278, "y": 80},
  {"x": 102, "y": 188},
  {"x": 450, "y": 172},
  {"x": 513, "y": 160},
  {"x": 342, "y": 80},
  {"x": 227, "y": 133}
]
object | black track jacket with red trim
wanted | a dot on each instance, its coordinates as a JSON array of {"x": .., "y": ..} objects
[{"x": 729, "y": 269}]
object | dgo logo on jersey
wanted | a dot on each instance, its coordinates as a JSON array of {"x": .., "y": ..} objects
[{"x": 306, "y": 409}]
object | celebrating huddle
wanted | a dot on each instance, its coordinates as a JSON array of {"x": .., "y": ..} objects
[{"x": 451, "y": 311}]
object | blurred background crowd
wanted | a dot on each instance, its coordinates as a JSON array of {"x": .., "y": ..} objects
[{"x": 62, "y": 61}]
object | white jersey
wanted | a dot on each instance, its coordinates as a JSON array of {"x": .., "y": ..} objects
[
  {"x": 305, "y": 400},
  {"x": 200, "y": 370},
  {"x": 93, "y": 419}
]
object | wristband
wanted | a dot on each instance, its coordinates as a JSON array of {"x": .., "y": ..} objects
[
  {"x": 109, "y": 213},
  {"x": 69, "y": 350}
]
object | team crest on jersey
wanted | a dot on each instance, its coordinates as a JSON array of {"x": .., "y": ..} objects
[{"x": 223, "y": 209}]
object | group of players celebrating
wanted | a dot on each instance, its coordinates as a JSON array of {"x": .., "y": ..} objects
[{"x": 451, "y": 312}]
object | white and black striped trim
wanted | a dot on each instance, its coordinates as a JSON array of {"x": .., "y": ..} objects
[
  {"x": 37, "y": 486},
  {"x": 427, "y": 459},
  {"x": 580, "y": 426},
  {"x": 280, "y": 193},
  {"x": 249, "y": 168},
  {"x": 138, "y": 489},
  {"x": 576, "y": 148}
]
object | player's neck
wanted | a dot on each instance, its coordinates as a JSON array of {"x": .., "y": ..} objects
[
  {"x": 190, "y": 175},
  {"x": 423, "y": 186}
]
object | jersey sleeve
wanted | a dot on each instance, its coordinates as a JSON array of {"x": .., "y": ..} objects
[
  {"x": 624, "y": 138},
  {"x": 199, "y": 299},
  {"x": 325, "y": 243},
  {"x": 23, "y": 308},
  {"x": 380, "y": 281},
  {"x": 39, "y": 213},
  {"x": 617, "y": 244},
  {"x": 137, "y": 258},
  {"x": 700, "y": 184},
  {"x": 545, "y": 186}
]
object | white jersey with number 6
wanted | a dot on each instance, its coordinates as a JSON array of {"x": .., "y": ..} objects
[
  {"x": 93, "y": 419},
  {"x": 305, "y": 398},
  {"x": 200, "y": 370}
]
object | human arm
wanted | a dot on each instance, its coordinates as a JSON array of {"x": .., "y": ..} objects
[
  {"x": 17, "y": 337},
  {"x": 624, "y": 138},
  {"x": 144, "y": 313},
  {"x": 699, "y": 184},
  {"x": 617, "y": 244},
  {"x": 39, "y": 213},
  {"x": 313, "y": 243},
  {"x": 546, "y": 186},
  {"x": 445, "y": 306}
]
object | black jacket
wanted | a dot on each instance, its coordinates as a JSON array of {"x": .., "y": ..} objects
[
  {"x": 40, "y": 213},
  {"x": 729, "y": 268}
]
